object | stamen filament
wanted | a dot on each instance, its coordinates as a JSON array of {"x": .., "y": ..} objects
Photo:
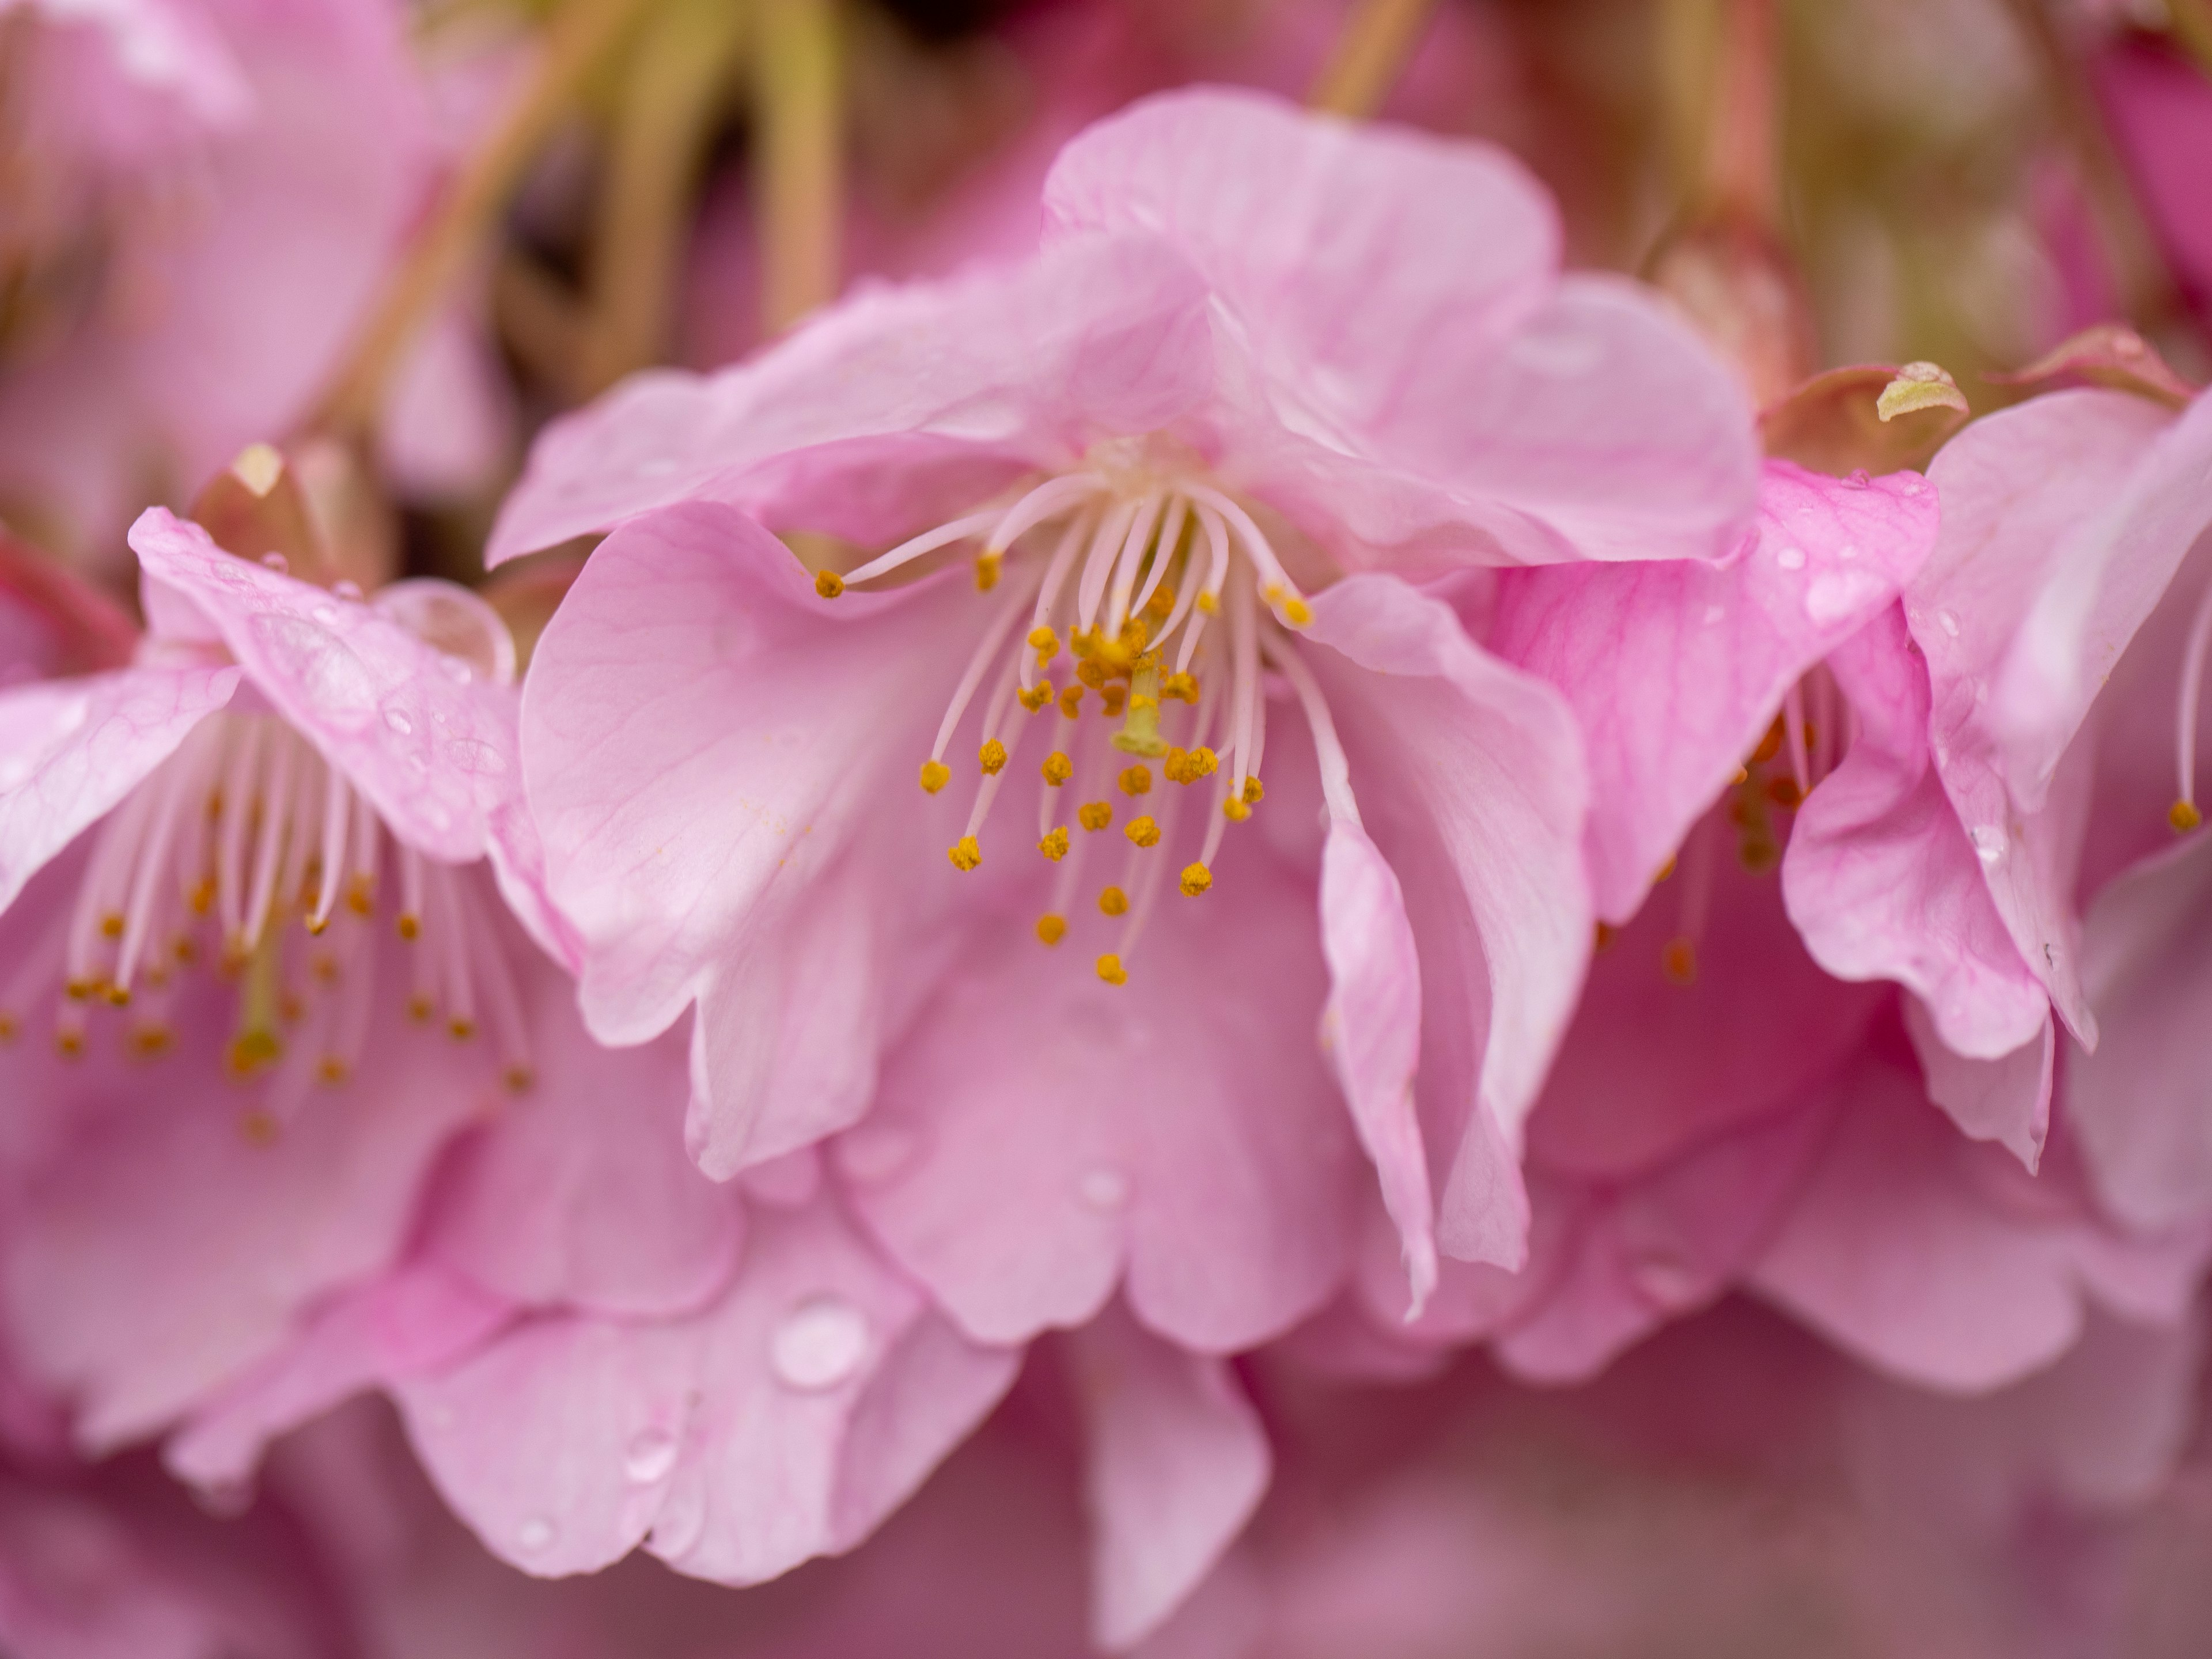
[
  {"x": 1793, "y": 727},
  {"x": 994, "y": 636},
  {"x": 929, "y": 542},
  {"x": 337, "y": 808},
  {"x": 1055, "y": 574},
  {"x": 1048, "y": 501},
  {"x": 1170, "y": 537},
  {"x": 1133, "y": 546},
  {"x": 1098, "y": 562},
  {"x": 2192, "y": 683}
]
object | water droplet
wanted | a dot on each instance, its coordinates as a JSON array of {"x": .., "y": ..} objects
[
  {"x": 649, "y": 1456},
  {"x": 477, "y": 758},
  {"x": 819, "y": 1344},
  {"x": 874, "y": 1153},
  {"x": 346, "y": 590},
  {"x": 1913, "y": 486},
  {"x": 334, "y": 679},
  {"x": 397, "y": 720},
  {"x": 1949, "y": 622},
  {"x": 1668, "y": 1279},
  {"x": 276, "y": 562},
  {"x": 1989, "y": 843},
  {"x": 325, "y": 614},
  {"x": 457, "y": 671},
  {"x": 1790, "y": 558},
  {"x": 71, "y": 715},
  {"x": 1858, "y": 479},
  {"x": 1102, "y": 1189},
  {"x": 534, "y": 1533}
]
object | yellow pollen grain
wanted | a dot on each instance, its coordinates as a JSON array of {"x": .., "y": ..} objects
[
  {"x": 203, "y": 899},
  {"x": 1114, "y": 901},
  {"x": 1045, "y": 643},
  {"x": 964, "y": 853},
  {"x": 1057, "y": 768},
  {"x": 1051, "y": 929},
  {"x": 256, "y": 1127},
  {"x": 252, "y": 1049},
  {"x": 1036, "y": 696},
  {"x": 1209, "y": 603},
  {"x": 1253, "y": 791},
  {"x": 2183, "y": 817},
  {"x": 987, "y": 566},
  {"x": 1070, "y": 701},
  {"x": 361, "y": 897},
  {"x": 318, "y": 925},
  {"x": 1078, "y": 642},
  {"x": 1143, "y": 832},
  {"x": 111, "y": 927},
  {"x": 1162, "y": 602},
  {"x": 1180, "y": 685},
  {"x": 1095, "y": 814},
  {"x": 1196, "y": 879},
  {"x": 1091, "y": 673},
  {"x": 829, "y": 584},
  {"x": 461, "y": 1030},
  {"x": 992, "y": 757},
  {"x": 150, "y": 1041},
  {"x": 118, "y": 996},
  {"x": 1678, "y": 962},
  {"x": 1111, "y": 970},
  {"x": 1297, "y": 611},
  {"x": 1113, "y": 696},
  {"x": 70, "y": 1044},
  {"x": 519, "y": 1079},
  {"x": 332, "y": 1070},
  {"x": 411, "y": 925},
  {"x": 8, "y": 1028},
  {"x": 1235, "y": 809},
  {"x": 935, "y": 774},
  {"x": 1054, "y": 845},
  {"x": 418, "y": 1007},
  {"x": 1135, "y": 781}
]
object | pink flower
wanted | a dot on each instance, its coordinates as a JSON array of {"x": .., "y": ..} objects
[{"x": 720, "y": 750}]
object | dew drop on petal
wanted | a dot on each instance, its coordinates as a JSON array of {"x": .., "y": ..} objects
[
  {"x": 457, "y": 671},
  {"x": 1949, "y": 622},
  {"x": 397, "y": 720},
  {"x": 336, "y": 680},
  {"x": 278, "y": 562},
  {"x": 1668, "y": 1279},
  {"x": 535, "y": 1535},
  {"x": 1790, "y": 558},
  {"x": 1989, "y": 843},
  {"x": 346, "y": 590},
  {"x": 325, "y": 614},
  {"x": 1103, "y": 1188},
  {"x": 819, "y": 1344},
  {"x": 649, "y": 1456},
  {"x": 477, "y": 758}
]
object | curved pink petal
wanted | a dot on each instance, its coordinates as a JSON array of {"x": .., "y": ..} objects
[
  {"x": 1882, "y": 880},
  {"x": 2141, "y": 1106},
  {"x": 1040, "y": 1136},
  {"x": 1175, "y": 1462},
  {"x": 1676, "y": 670},
  {"x": 704, "y": 739},
  {"x": 1941, "y": 1260},
  {"x": 71, "y": 750},
  {"x": 1470, "y": 779},
  {"x": 1372, "y": 1030},
  {"x": 578, "y": 1193},
  {"x": 972, "y": 378},
  {"x": 2006, "y": 1098},
  {"x": 425, "y": 738},
  {"x": 777, "y": 1424}
]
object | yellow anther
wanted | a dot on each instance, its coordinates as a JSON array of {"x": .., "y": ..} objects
[
  {"x": 118, "y": 996},
  {"x": 1070, "y": 701},
  {"x": 150, "y": 1041},
  {"x": 1235, "y": 809},
  {"x": 69, "y": 1044},
  {"x": 1162, "y": 602},
  {"x": 1180, "y": 685},
  {"x": 203, "y": 899},
  {"x": 1143, "y": 832},
  {"x": 1209, "y": 603},
  {"x": 1114, "y": 901},
  {"x": 1135, "y": 781},
  {"x": 1094, "y": 814},
  {"x": 256, "y": 1127},
  {"x": 1253, "y": 791},
  {"x": 1678, "y": 962},
  {"x": 1665, "y": 871},
  {"x": 420, "y": 1007},
  {"x": 1297, "y": 611},
  {"x": 461, "y": 1030},
  {"x": 317, "y": 925},
  {"x": 1045, "y": 643},
  {"x": 1080, "y": 642},
  {"x": 1054, "y": 845},
  {"x": 1111, "y": 970},
  {"x": 964, "y": 853},
  {"x": 986, "y": 571},
  {"x": 1604, "y": 938},
  {"x": 935, "y": 774},
  {"x": 410, "y": 925},
  {"x": 1051, "y": 929},
  {"x": 1057, "y": 768},
  {"x": 332, "y": 1070},
  {"x": 1089, "y": 672},
  {"x": 111, "y": 926},
  {"x": 1113, "y": 696},
  {"x": 81, "y": 990},
  {"x": 252, "y": 1049},
  {"x": 1138, "y": 701},
  {"x": 361, "y": 896},
  {"x": 2183, "y": 817},
  {"x": 8, "y": 1028},
  {"x": 519, "y": 1079},
  {"x": 1196, "y": 879},
  {"x": 992, "y": 757},
  {"x": 1036, "y": 696},
  {"x": 829, "y": 584}
]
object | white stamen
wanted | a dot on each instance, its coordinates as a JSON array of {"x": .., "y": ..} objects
[
  {"x": 1048, "y": 500},
  {"x": 1793, "y": 728},
  {"x": 2192, "y": 682},
  {"x": 337, "y": 808},
  {"x": 1098, "y": 562},
  {"x": 1217, "y": 572},
  {"x": 269, "y": 844},
  {"x": 1132, "y": 555},
  {"x": 1328, "y": 751},
  {"x": 1270, "y": 568},
  {"x": 1171, "y": 528},
  {"x": 1055, "y": 574},
  {"x": 238, "y": 795},
  {"x": 994, "y": 636},
  {"x": 929, "y": 542}
]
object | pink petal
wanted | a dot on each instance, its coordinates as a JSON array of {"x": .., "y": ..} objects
[
  {"x": 71, "y": 750},
  {"x": 418, "y": 732},
  {"x": 970, "y": 379},
  {"x": 738, "y": 1441},
  {"x": 1676, "y": 670},
  {"x": 2139, "y": 1105},
  {"x": 1940, "y": 1261},
  {"x": 417, "y": 1318},
  {"x": 2006, "y": 1099},
  {"x": 578, "y": 1193},
  {"x": 1470, "y": 778},
  {"x": 1882, "y": 880},
  {"x": 1040, "y": 1134},
  {"x": 1174, "y": 1463},
  {"x": 1372, "y": 1030}
]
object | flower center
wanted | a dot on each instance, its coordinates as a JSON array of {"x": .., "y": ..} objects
[
  {"x": 1156, "y": 599},
  {"x": 246, "y": 851}
]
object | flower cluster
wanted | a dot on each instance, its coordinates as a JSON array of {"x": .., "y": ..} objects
[{"x": 1200, "y": 861}]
